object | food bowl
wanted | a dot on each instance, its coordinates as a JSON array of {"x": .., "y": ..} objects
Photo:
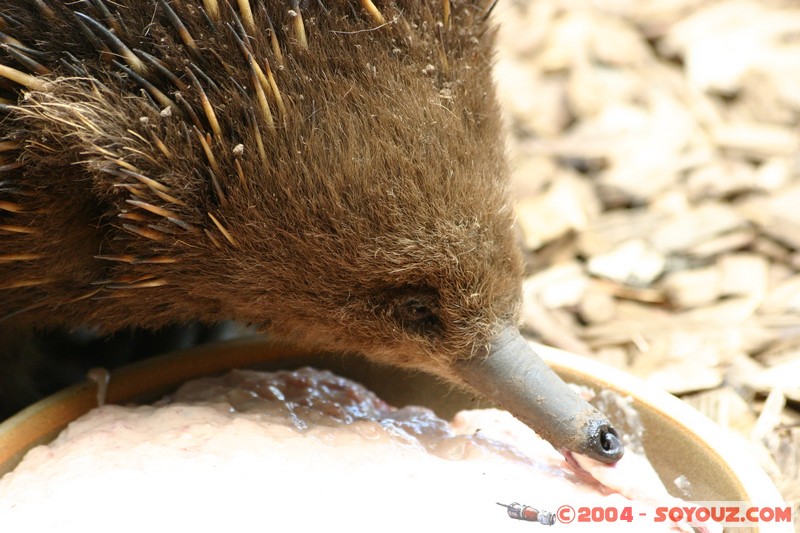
[{"x": 678, "y": 439}]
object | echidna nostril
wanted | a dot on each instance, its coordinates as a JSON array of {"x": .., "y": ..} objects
[{"x": 610, "y": 442}]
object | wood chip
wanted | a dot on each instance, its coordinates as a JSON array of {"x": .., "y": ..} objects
[
  {"x": 783, "y": 298},
  {"x": 776, "y": 216},
  {"x": 720, "y": 179},
  {"x": 743, "y": 274},
  {"x": 696, "y": 226},
  {"x": 613, "y": 228},
  {"x": 725, "y": 407},
  {"x": 551, "y": 328},
  {"x": 656, "y": 147},
  {"x": 558, "y": 286},
  {"x": 757, "y": 141},
  {"x": 568, "y": 205},
  {"x": 596, "y": 307},
  {"x": 633, "y": 263},
  {"x": 692, "y": 288},
  {"x": 725, "y": 242},
  {"x": 684, "y": 377},
  {"x": 785, "y": 378},
  {"x": 770, "y": 416}
]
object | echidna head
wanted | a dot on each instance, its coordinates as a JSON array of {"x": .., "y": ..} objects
[{"x": 334, "y": 175}]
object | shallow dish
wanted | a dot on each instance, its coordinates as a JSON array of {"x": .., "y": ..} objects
[{"x": 678, "y": 439}]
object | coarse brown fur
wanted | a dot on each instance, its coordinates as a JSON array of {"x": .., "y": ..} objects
[{"x": 344, "y": 187}]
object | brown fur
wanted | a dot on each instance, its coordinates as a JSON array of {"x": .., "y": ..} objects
[{"x": 376, "y": 220}]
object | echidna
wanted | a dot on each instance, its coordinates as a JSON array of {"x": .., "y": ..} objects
[{"x": 331, "y": 171}]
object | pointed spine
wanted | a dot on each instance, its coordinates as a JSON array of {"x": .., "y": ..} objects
[
  {"x": 206, "y": 104},
  {"x": 145, "y": 232},
  {"x": 373, "y": 11},
  {"x": 21, "y": 284},
  {"x": 298, "y": 25},
  {"x": 162, "y": 99},
  {"x": 247, "y": 15},
  {"x": 156, "y": 210},
  {"x": 179, "y": 26},
  {"x": 26, "y": 80},
  {"x": 30, "y": 256},
  {"x": 114, "y": 43},
  {"x": 215, "y": 170},
  {"x": 224, "y": 231},
  {"x": 212, "y": 9},
  {"x": 29, "y": 63}
]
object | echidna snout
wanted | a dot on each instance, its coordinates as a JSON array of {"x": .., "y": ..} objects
[
  {"x": 330, "y": 171},
  {"x": 516, "y": 378}
]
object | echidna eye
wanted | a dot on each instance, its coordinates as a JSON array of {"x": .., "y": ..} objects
[
  {"x": 416, "y": 310},
  {"x": 418, "y": 313}
]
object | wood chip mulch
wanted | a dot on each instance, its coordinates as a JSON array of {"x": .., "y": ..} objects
[{"x": 656, "y": 157}]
